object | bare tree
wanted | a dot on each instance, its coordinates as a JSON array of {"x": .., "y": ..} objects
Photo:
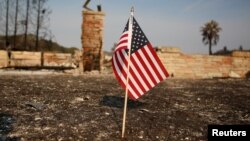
[
  {"x": 38, "y": 23},
  {"x": 9, "y": 20},
  {"x": 2, "y": 17},
  {"x": 26, "y": 23},
  {"x": 42, "y": 13},
  {"x": 7, "y": 23},
  {"x": 16, "y": 23},
  {"x": 31, "y": 15}
]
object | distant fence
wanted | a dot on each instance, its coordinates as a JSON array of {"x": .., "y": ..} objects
[{"x": 34, "y": 59}]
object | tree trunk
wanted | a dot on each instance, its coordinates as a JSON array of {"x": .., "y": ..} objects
[
  {"x": 15, "y": 29},
  {"x": 210, "y": 47},
  {"x": 26, "y": 24},
  {"x": 38, "y": 24},
  {"x": 7, "y": 23}
]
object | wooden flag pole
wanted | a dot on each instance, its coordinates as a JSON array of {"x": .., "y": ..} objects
[{"x": 130, "y": 28}]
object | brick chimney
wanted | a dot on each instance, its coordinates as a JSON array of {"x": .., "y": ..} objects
[{"x": 92, "y": 40}]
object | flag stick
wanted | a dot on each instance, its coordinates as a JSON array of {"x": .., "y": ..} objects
[{"x": 129, "y": 54}]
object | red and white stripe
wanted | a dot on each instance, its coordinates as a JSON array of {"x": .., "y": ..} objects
[
  {"x": 123, "y": 43},
  {"x": 146, "y": 69}
]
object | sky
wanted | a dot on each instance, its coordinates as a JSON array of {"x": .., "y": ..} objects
[{"x": 174, "y": 23}]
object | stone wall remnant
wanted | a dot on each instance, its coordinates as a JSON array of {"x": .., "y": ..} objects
[
  {"x": 33, "y": 59},
  {"x": 3, "y": 59},
  {"x": 181, "y": 65}
]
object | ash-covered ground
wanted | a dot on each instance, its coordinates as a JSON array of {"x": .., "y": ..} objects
[{"x": 90, "y": 108}]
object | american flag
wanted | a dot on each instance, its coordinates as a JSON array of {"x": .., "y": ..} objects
[{"x": 145, "y": 68}]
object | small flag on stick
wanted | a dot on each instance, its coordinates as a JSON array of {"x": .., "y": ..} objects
[
  {"x": 136, "y": 64},
  {"x": 145, "y": 68}
]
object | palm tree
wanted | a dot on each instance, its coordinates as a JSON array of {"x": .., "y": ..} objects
[{"x": 210, "y": 32}]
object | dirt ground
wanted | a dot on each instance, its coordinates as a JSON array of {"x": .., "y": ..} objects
[{"x": 89, "y": 108}]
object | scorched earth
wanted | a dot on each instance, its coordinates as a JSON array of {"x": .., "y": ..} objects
[{"x": 90, "y": 107}]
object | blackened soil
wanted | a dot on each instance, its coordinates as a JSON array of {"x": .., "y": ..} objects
[{"x": 90, "y": 107}]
